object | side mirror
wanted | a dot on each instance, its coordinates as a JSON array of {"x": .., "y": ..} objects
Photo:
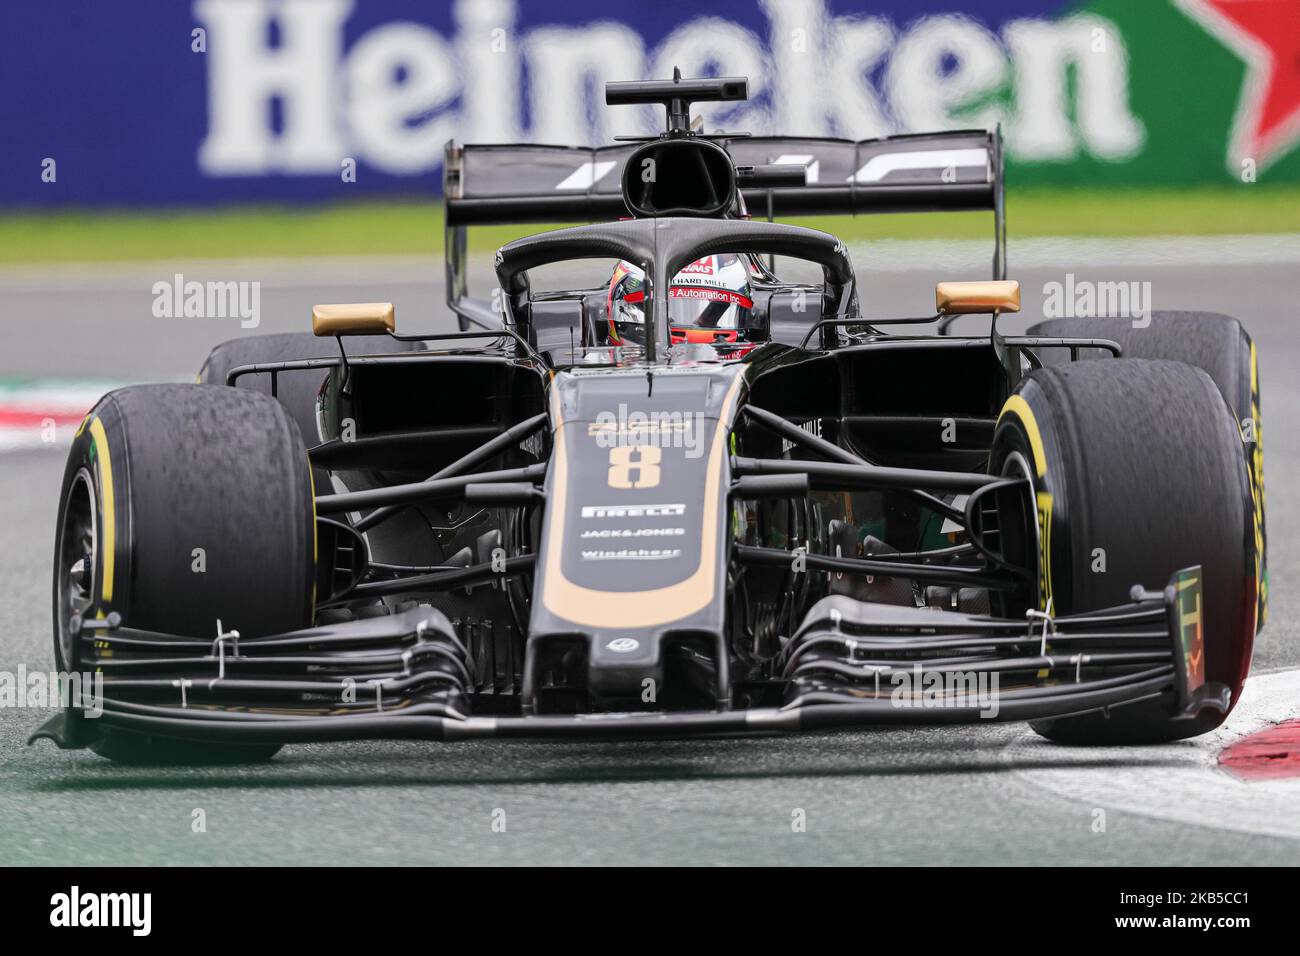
[
  {"x": 356, "y": 318},
  {"x": 964, "y": 298}
]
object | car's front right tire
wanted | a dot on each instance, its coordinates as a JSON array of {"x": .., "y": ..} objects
[{"x": 1137, "y": 472}]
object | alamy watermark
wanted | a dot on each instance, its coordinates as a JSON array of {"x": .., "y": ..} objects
[
  {"x": 660, "y": 429},
  {"x": 52, "y": 690},
  {"x": 928, "y": 689},
  {"x": 181, "y": 299},
  {"x": 1083, "y": 299},
  {"x": 73, "y": 909}
]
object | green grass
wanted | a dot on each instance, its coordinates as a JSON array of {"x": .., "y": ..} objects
[{"x": 390, "y": 228}]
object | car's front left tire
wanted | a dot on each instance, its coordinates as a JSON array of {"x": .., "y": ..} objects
[{"x": 182, "y": 505}]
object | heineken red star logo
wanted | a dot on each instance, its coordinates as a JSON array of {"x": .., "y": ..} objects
[{"x": 1266, "y": 34}]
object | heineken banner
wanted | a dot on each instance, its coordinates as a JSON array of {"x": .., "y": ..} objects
[{"x": 217, "y": 101}]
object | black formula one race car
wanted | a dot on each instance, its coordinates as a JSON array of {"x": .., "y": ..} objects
[{"x": 696, "y": 499}]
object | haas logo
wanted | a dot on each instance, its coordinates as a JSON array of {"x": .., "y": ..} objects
[{"x": 700, "y": 267}]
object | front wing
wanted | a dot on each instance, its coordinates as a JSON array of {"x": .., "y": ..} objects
[{"x": 409, "y": 676}]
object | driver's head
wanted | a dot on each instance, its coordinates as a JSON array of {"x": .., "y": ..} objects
[{"x": 708, "y": 301}]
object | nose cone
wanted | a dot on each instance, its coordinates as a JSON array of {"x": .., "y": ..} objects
[
  {"x": 625, "y": 673},
  {"x": 634, "y": 540}
]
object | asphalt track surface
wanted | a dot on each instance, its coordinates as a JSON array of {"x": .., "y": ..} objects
[{"x": 992, "y": 793}]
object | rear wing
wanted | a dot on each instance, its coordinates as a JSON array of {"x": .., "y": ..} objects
[{"x": 526, "y": 183}]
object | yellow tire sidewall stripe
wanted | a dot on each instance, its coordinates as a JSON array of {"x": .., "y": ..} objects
[
  {"x": 1017, "y": 406},
  {"x": 1255, "y": 454},
  {"x": 1020, "y": 408},
  {"x": 107, "y": 507},
  {"x": 315, "y": 536}
]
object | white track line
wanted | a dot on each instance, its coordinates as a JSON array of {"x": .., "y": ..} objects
[
  {"x": 280, "y": 273},
  {"x": 886, "y": 255},
  {"x": 1070, "y": 253},
  {"x": 1179, "y": 782}
]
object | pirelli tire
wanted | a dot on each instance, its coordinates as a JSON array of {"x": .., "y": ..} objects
[
  {"x": 1211, "y": 341},
  {"x": 182, "y": 505},
  {"x": 1137, "y": 472}
]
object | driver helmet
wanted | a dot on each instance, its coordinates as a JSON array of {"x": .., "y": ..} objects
[{"x": 709, "y": 302}]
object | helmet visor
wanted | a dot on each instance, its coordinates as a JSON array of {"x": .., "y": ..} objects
[{"x": 708, "y": 308}]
